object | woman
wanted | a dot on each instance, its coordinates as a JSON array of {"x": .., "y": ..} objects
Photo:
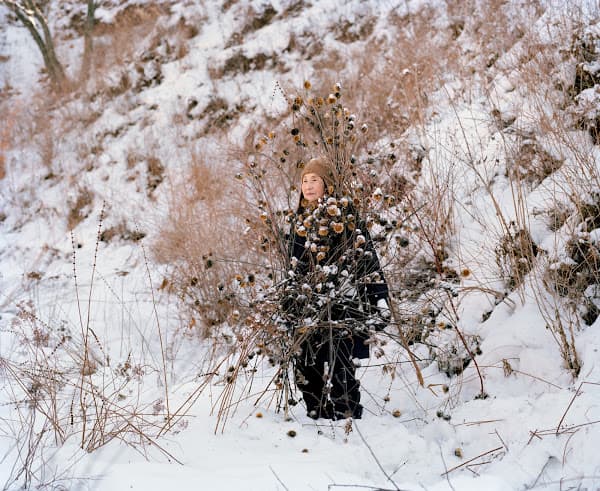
[{"x": 336, "y": 294}]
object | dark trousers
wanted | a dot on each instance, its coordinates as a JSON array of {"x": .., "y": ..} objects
[{"x": 326, "y": 375}]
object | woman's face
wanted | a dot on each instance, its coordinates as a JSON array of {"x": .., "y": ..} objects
[{"x": 313, "y": 187}]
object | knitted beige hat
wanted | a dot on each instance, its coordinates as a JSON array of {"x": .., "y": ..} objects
[{"x": 321, "y": 168}]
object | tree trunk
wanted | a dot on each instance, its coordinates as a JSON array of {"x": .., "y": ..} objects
[
  {"x": 88, "y": 47},
  {"x": 28, "y": 13}
]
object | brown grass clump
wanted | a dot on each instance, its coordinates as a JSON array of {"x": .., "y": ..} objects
[
  {"x": 10, "y": 120},
  {"x": 392, "y": 91},
  {"x": 155, "y": 173},
  {"x": 200, "y": 241},
  {"x": 515, "y": 255},
  {"x": 113, "y": 41},
  {"x": 494, "y": 25},
  {"x": 80, "y": 207},
  {"x": 532, "y": 163},
  {"x": 4, "y": 146},
  {"x": 121, "y": 231}
]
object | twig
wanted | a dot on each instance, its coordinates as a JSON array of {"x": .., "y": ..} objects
[
  {"x": 577, "y": 392},
  {"x": 363, "y": 486},
  {"x": 568, "y": 407},
  {"x": 541, "y": 471},
  {"x": 471, "y": 460},
  {"x": 537, "y": 378},
  {"x": 279, "y": 480},
  {"x": 498, "y": 435},
  {"x": 475, "y": 423},
  {"x": 404, "y": 343},
  {"x": 160, "y": 336},
  {"x": 564, "y": 460},
  {"x": 445, "y": 467},
  {"x": 389, "y": 478}
]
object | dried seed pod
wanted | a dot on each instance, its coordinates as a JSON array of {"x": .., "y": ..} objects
[
  {"x": 333, "y": 210},
  {"x": 338, "y": 227}
]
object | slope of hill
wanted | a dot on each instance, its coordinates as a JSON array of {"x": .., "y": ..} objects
[{"x": 120, "y": 285}]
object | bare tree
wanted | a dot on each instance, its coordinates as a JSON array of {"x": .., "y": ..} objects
[{"x": 32, "y": 16}]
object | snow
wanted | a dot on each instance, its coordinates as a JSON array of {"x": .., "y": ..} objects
[{"x": 536, "y": 429}]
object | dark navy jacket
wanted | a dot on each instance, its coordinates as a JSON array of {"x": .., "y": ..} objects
[{"x": 351, "y": 282}]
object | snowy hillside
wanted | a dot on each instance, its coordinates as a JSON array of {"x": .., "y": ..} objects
[{"x": 137, "y": 271}]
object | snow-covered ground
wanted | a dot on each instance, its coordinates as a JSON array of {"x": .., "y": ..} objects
[{"x": 87, "y": 162}]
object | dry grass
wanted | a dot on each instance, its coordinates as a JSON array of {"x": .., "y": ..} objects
[
  {"x": 515, "y": 256},
  {"x": 113, "y": 42},
  {"x": 541, "y": 71},
  {"x": 393, "y": 82},
  {"x": 10, "y": 117},
  {"x": 493, "y": 26},
  {"x": 63, "y": 387},
  {"x": 130, "y": 50},
  {"x": 79, "y": 207},
  {"x": 196, "y": 240}
]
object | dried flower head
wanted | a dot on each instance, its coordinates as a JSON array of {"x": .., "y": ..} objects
[
  {"x": 333, "y": 210},
  {"x": 338, "y": 227}
]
